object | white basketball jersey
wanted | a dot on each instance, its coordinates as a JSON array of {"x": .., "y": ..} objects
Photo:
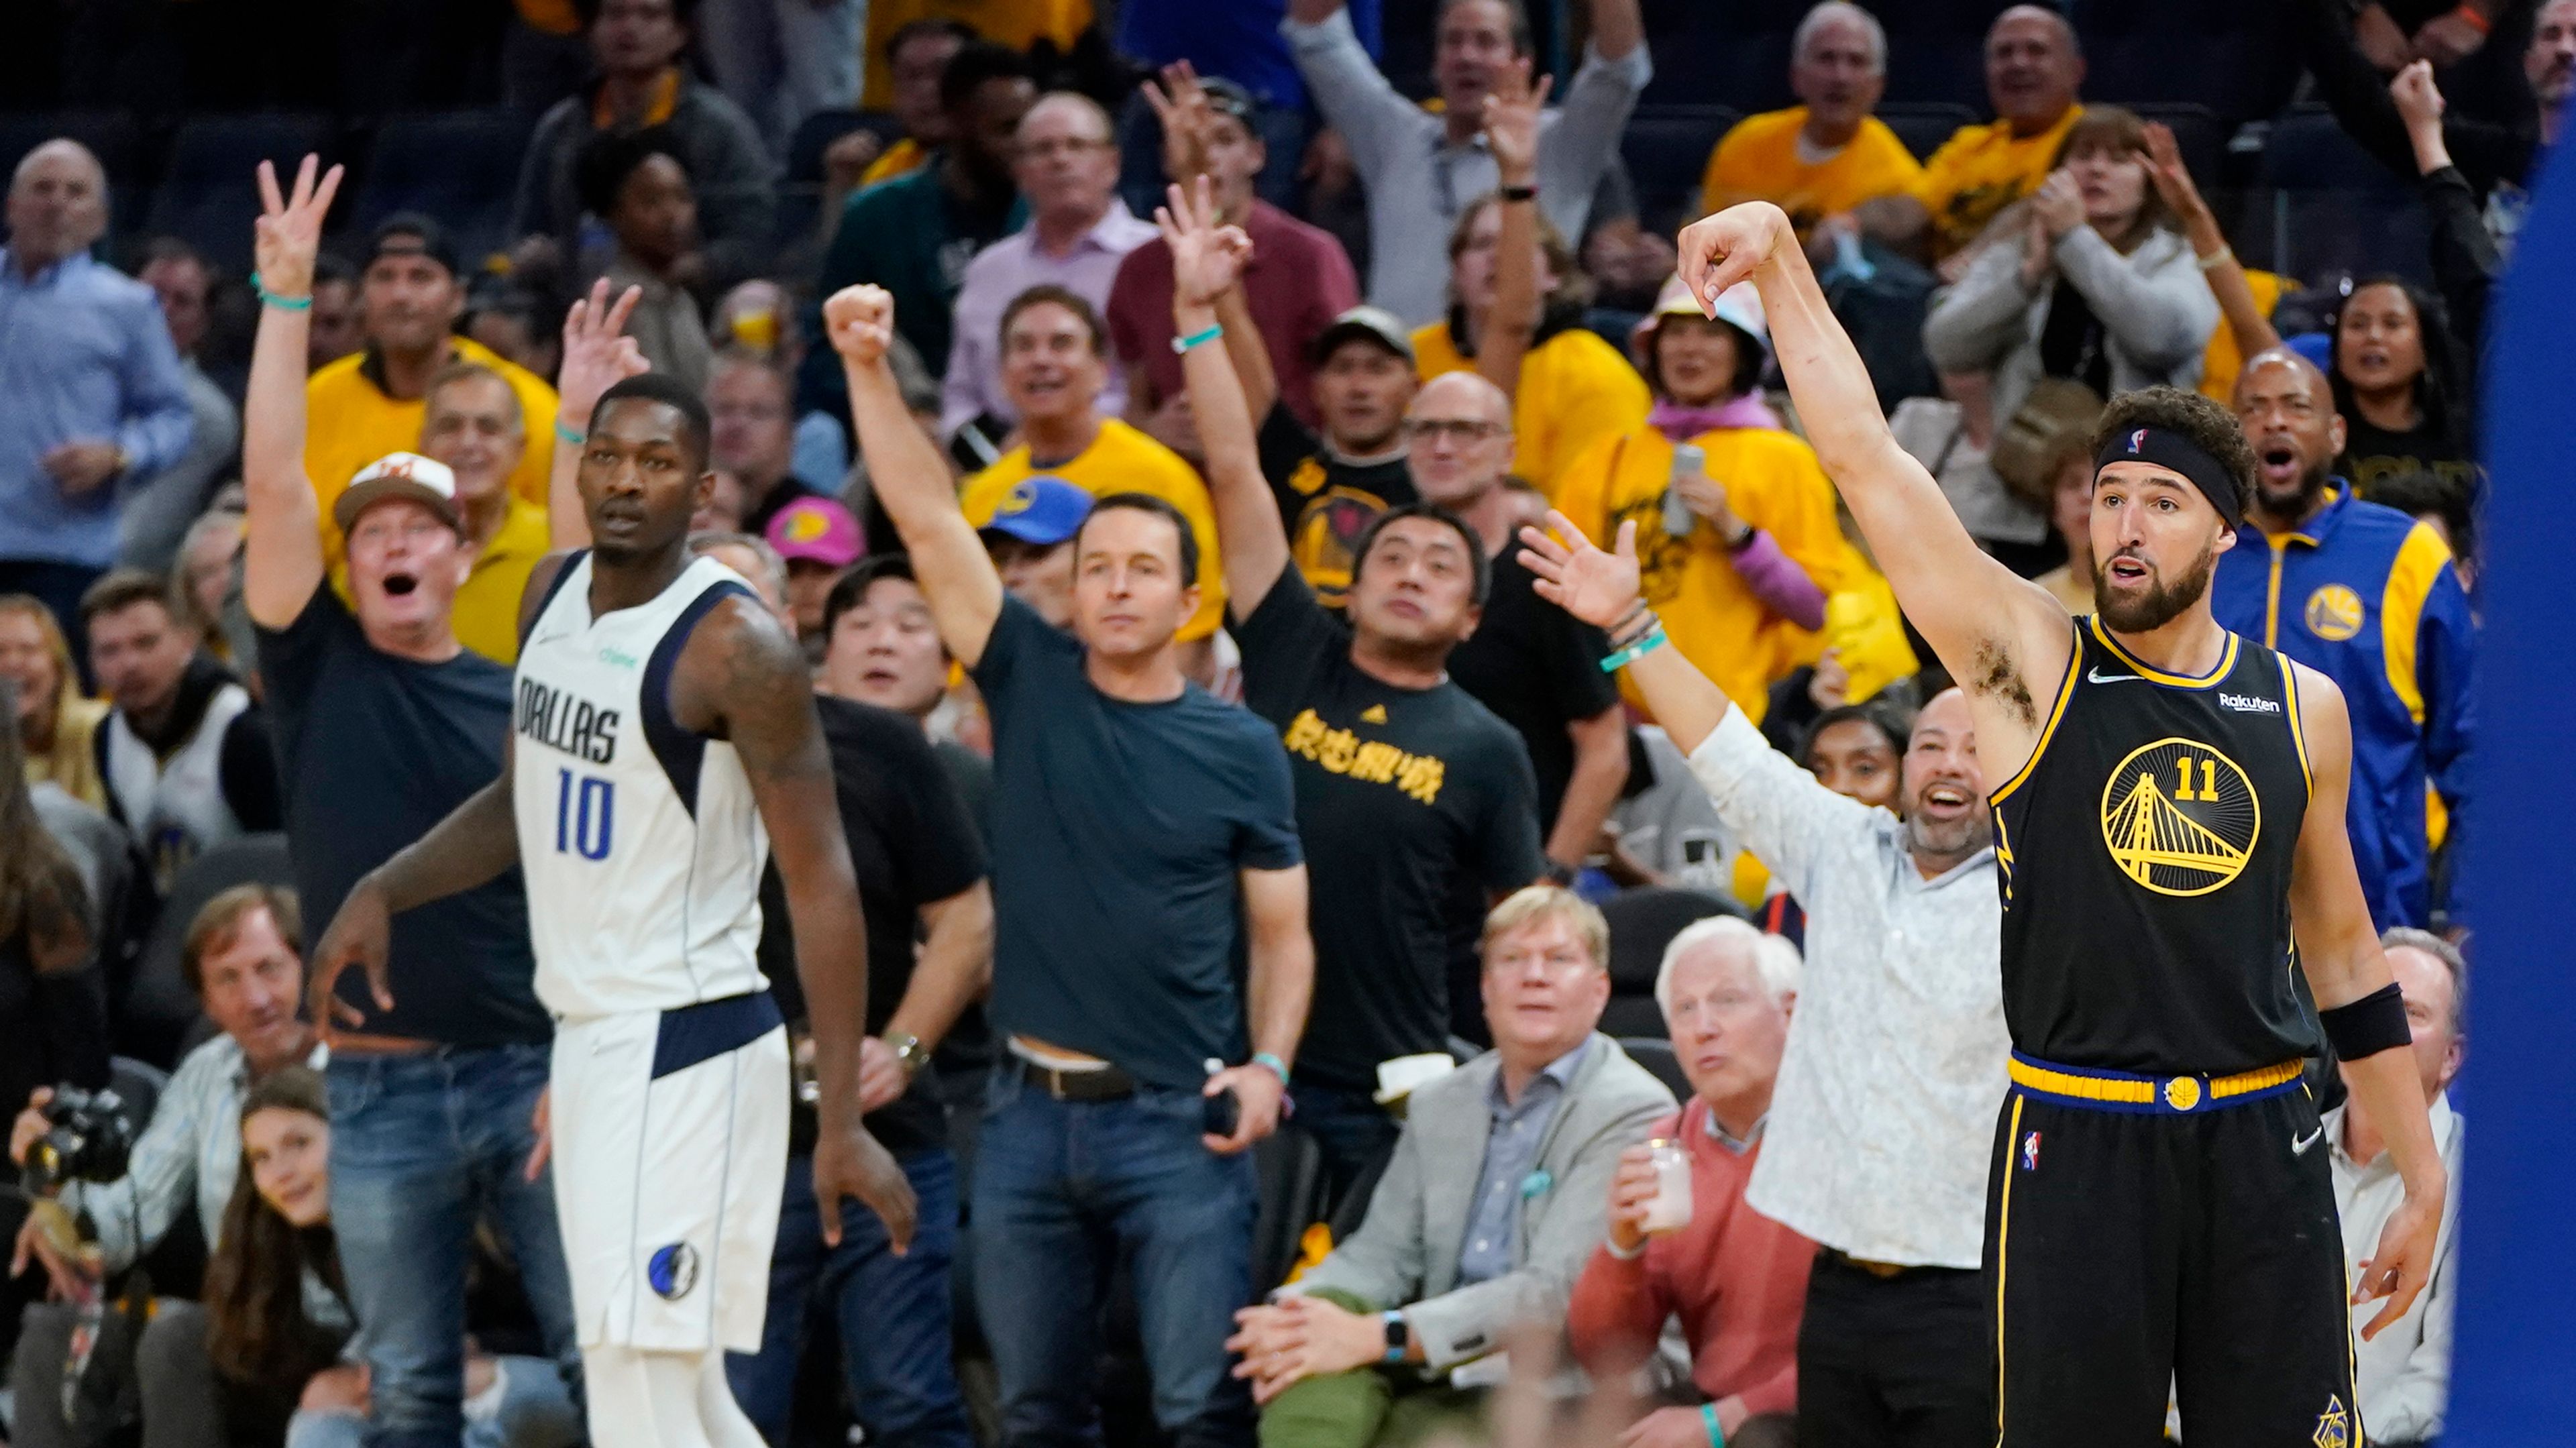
[{"x": 640, "y": 840}]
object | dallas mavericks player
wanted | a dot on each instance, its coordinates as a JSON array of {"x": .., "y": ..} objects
[{"x": 663, "y": 739}]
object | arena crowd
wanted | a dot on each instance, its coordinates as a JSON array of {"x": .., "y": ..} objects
[{"x": 1272, "y": 1097}]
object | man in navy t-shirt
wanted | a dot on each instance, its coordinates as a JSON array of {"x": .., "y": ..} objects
[
  {"x": 1149, "y": 900},
  {"x": 384, "y": 723}
]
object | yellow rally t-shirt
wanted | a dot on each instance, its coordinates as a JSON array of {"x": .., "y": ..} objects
[
  {"x": 487, "y": 605},
  {"x": 1575, "y": 390},
  {"x": 1120, "y": 460},
  {"x": 1758, "y": 161},
  {"x": 2220, "y": 361},
  {"x": 350, "y": 422},
  {"x": 1712, "y": 615},
  {"x": 1981, "y": 170}
]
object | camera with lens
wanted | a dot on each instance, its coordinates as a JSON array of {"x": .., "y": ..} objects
[{"x": 87, "y": 1139}]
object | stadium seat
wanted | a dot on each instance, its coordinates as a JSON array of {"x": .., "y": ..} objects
[
  {"x": 1666, "y": 148},
  {"x": 2327, "y": 207},
  {"x": 2238, "y": 60},
  {"x": 209, "y": 195},
  {"x": 160, "y": 1009},
  {"x": 1924, "y": 125},
  {"x": 117, "y": 139},
  {"x": 459, "y": 166},
  {"x": 1642, "y": 922},
  {"x": 1657, "y": 1056}
]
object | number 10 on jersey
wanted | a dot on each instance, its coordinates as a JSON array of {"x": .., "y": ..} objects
[{"x": 584, "y": 814}]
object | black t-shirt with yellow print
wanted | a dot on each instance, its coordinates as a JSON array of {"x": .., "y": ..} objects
[
  {"x": 1414, "y": 805},
  {"x": 1327, "y": 503}
]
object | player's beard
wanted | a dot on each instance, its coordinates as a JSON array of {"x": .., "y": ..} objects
[{"x": 2161, "y": 603}]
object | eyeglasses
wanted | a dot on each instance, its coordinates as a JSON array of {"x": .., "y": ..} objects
[
  {"x": 1456, "y": 429},
  {"x": 1061, "y": 146}
]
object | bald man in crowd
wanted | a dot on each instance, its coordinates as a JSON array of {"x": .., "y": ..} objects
[
  {"x": 97, "y": 403},
  {"x": 1078, "y": 233}
]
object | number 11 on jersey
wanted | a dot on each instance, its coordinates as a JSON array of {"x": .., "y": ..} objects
[{"x": 584, "y": 813}]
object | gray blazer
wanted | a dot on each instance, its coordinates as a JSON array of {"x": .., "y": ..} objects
[{"x": 1406, "y": 1251}]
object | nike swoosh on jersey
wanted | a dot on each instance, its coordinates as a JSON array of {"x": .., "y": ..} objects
[
  {"x": 2299, "y": 1144},
  {"x": 2097, "y": 676}
]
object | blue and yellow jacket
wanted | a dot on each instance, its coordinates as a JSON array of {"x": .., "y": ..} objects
[{"x": 2367, "y": 596}]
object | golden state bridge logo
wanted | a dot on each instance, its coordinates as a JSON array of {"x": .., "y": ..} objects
[{"x": 2180, "y": 818}]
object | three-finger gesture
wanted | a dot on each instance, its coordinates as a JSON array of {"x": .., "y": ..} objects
[
  {"x": 1511, "y": 122},
  {"x": 1597, "y": 587},
  {"x": 597, "y": 355},
  {"x": 860, "y": 322},
  {"x": 1718, "y": 251},
  {"x": 1207, "y": 257},
  {"x": 289, "y": 229}
]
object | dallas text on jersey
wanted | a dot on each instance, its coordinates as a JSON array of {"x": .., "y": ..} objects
[{"x": 578, "y": 727}]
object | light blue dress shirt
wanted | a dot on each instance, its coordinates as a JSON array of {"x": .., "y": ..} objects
[
  {"x": 84, "y": 357},
  {"x": 1511, "y": 1148}
]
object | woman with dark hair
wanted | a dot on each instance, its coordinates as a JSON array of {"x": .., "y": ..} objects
[
  {"x": 640, "y": 187},
  {"x": 2103, "y": 291},
  {"x": 278, "y": 1322},
  {"x": 2392, "y": 376},
  {"x": 53, "y": 1008}
]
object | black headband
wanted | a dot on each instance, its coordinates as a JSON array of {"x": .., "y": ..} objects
[{"x": 2174, "y": 452}]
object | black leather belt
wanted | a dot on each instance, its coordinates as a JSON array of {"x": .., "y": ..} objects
[{"x": 1103, "y": 1083}]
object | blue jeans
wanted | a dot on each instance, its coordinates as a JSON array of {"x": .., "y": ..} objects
[
  {"x": 1061, "y": 1188},
  {"x": 894, "y": 1313},
  {"x": 535, "y": 1412},
  {"x": 1354, "y": 1131},
  {"x": 422, "y": 1148}
]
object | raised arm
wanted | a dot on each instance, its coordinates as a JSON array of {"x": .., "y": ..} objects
[
  {"x": 1207, "y": 264},
  {"x": 910, "y": 478},
  {"x": 282, "y": 559},
  {"x": 2339, "y": 950},
  {"x": 2001, "y": 636},
  {"x": 1511, "y": 131},
  {"x": 2246, "y": 323},
  {"x": 596, "y": 356},
  {"x": 742, "y": 678}
]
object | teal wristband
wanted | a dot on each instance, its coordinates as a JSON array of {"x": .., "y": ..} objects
[
  {"x": 1277, "y": 1067},
  {"x": 569, "y": 435},
  {"x": 1654, "y": 640},
  {"x": 1716, "y": 1434},
  {"x": 1198, "y": 339},
  {"x": 268, "y": 298}
]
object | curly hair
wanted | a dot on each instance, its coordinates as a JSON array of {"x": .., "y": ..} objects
[{"x": 2209, "y": 426}]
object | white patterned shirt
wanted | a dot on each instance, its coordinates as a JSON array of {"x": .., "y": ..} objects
[{"x": 1884, "y": 1115}]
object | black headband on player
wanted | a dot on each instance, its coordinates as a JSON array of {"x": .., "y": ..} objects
[{"x": 2165, "y": 448}]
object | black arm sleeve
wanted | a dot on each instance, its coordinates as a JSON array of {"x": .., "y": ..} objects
[
  {"x": 249, "y": 773},
  {"x": 2465, "y": 265}
]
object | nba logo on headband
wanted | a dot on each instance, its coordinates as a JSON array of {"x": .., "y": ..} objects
[{"x": 2138, "y": 440}]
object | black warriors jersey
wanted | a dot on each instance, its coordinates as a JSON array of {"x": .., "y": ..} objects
[{"x": 2146, "y": 852}]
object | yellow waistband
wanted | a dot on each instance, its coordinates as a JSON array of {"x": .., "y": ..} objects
[{"x": 2120, "y": 1090}]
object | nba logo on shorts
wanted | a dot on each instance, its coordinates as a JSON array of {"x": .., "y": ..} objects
[
  {"x": 2030, "y": 1152},
  {"x": 673, "y": 1270}
]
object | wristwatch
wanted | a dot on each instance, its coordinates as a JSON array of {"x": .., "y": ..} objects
[
  {"x": 1399, "y": 1338},
  {"x": 909, "y": 1053},
  {"x": 1560, "y": 873}
]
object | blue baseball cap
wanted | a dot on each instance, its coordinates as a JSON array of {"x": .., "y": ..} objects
[{"x": 1042, "y": 510}]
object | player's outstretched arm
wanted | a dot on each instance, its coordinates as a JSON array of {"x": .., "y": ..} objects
[
  {"x": 281, "y": 536},
  {"x": 904, "y": 466},
  {"x": 2340, "y": 951},
  {"x": 474, "y": 845},
  {"x": 1207, "y": 265},
  {"x": 742, "y": 678},
  {"x": 1980, "y": 619}
]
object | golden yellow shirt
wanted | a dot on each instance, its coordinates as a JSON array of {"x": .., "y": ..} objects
[
  {"x": 1712, "y": 615},
  {"x": 2221, "y": 361},
  {"x": 350, "y": 422},
  {"x": 1981, "y": 170},
  {"x": 1120, "y": 460},
  {"x": 1015, "y": 23},
  {"x": 487, "y": 606},
  {"x": 902, "y": 158},
  {"x": 1758, "y": 160},
  {"x": 1575, "y": 391}
]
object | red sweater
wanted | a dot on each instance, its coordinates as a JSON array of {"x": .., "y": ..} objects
[{"x": 1737, "y": 1279}]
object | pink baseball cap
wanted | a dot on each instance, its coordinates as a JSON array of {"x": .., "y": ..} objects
[{"x": 818, "y": 530}]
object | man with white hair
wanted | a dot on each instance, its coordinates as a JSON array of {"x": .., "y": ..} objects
[
  {"x": 97, "y": 403},
  {"x": 1826, "y": 159},
  {"x": 1736, "y": 1279},
  {"x": 1078, "y": 234},
  {"x": 1884, "y": 1116}
]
